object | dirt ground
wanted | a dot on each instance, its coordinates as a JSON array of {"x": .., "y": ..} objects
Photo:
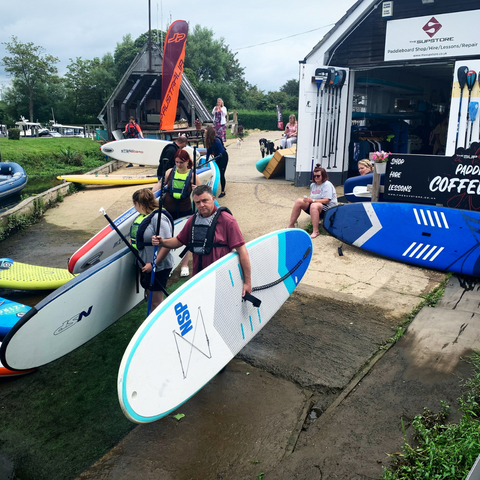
[{"x": 264, "y": 408}]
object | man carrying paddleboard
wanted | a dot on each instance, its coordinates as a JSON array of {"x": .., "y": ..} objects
[
  {"x": 132, "y": 129},
  {"x": 211, "y": 234}
]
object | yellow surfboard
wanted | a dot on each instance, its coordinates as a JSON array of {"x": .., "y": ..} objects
[
  {"x": 105, "y": 179},
  {"x": 22, "y": 276}
]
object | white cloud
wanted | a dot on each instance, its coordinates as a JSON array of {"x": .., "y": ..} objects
[{"x": 92, "y": 29}]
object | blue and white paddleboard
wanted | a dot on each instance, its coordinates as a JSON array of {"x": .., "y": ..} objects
[
  {"x": 355, "y": 188},
  {"x": 75, "y": 313},
  {"x": 440, "y": 238},
  {"x": 10, "y": 314},
  {"x": 193, "y": 334}
]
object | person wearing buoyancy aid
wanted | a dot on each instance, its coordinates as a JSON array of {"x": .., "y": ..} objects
[
  {"x": 179, "y": 183},
  {"x": 216, "y": 148},
  {"x": 132, "y": 129},
  {"x": 211, "y": 234},
  {"x": 141, "y": 233}
]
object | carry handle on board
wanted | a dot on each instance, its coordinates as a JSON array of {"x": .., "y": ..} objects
[{"x": 248, "y": 297}]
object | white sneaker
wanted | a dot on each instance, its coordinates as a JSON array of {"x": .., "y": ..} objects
[{"x": 185, "y": 272}]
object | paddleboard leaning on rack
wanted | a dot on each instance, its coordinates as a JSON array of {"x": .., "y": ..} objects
[
  {"x": 22, "y": 276},
  {"x": 198, "y": 329},
  {"x": 433, "y": 237},
  {"x": 106, "y": 242},
  {"x": 141, "y": 151}
]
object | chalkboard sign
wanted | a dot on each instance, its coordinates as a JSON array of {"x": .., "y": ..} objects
[{"x": 450, "y": 181}]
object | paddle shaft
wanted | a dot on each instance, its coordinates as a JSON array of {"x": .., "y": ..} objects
[{"x": 163, "y": 162}]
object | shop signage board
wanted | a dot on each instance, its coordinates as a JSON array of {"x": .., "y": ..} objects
[
  {"x": 435, "y": 180},
  {"x": 433, "y": 36}
]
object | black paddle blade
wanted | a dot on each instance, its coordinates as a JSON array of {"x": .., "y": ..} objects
[
  {"x": 322, "y": 75},
  {"x": 471, "y": 78},
  {"x": 341, "y": 77},
  {"x": 332, "y": 76},
  {"x": 462, "y": 76}
]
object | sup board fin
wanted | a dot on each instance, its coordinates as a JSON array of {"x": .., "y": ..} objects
[{"x": 256, "y": 302}]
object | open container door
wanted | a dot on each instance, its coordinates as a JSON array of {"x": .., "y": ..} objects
[
  {"x": 324, "y": 122},
  {"x": 463, "y": 123}
]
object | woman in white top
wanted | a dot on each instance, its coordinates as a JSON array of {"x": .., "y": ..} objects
[
  {"x": 322, "y": 197},
  {"x": 220, "y": 116}
]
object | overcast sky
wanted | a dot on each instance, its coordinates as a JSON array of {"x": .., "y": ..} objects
[{"x": 68, "y": 29}]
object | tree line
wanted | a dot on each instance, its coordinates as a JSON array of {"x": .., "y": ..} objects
[{"x": 77, "y": 98}]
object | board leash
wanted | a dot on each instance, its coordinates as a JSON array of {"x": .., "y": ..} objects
[{"x": 288, "y": 274}]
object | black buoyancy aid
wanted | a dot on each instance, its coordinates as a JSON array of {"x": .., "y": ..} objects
[
  {"x": 201, "y": 238},
  {"x": 184, "y": 191},
  {"x": 140, "y": 244}
]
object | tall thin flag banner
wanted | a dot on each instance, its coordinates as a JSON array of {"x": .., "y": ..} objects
[
  {"x": 172, "y": 70},
  {"x": 279, "y": 118}
]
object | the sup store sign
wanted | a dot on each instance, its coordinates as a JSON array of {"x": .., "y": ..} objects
[
  {"x": 446, "y": 35},
  {"x": 450, "y": 181}
]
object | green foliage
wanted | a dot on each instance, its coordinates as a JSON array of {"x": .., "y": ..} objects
[
  {"x": 30, "y": 66},
  {"x": 442, "y": 450},
  {"x": 20, "y": 222},
  {"x": 70, "y": 157},
  {"x": 13, "y": 134},
  {"x": 262, "y": 120}
]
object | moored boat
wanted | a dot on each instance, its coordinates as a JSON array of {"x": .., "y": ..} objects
[{"x": 12, "y": 179}]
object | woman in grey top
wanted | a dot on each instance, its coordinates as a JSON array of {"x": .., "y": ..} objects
[
  {"x": 322, "y": 197},
  {"x": 141, "y": 233}
]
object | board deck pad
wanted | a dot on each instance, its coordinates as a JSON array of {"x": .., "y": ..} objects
[
  {"x": 22, "y": 276},
  {"x": 194, "y": 333},
  {"x": 433, "y": 237}
]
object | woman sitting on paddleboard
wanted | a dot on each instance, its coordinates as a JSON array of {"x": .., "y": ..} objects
[
  {"x": 365, "y": 167},
  {"x": 141, "y": 232},
  {"x": 179, "y": 183},
  {"x": 215, "y": 147},
  {"x": 322, "y": 197}
]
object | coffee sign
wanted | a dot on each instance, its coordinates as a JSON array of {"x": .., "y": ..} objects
[{"x": 450, "y": 181}]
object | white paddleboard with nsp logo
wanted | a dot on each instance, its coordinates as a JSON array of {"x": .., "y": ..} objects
[
  {"x": 77, "y": 312},
  {"x": 196, "y": 331}
]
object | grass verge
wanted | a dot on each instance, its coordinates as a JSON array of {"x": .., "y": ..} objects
[
  {"x": 57, "y": 421},
  {"x": 443, "y": 450}
]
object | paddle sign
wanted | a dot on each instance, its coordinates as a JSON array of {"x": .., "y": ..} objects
[{"x": 5, "y": 263}]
